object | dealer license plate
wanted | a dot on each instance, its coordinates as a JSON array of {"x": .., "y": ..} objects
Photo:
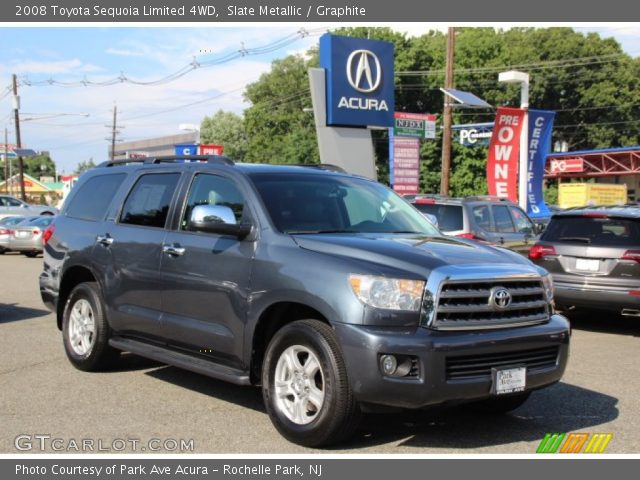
[
  {"x": 509, "y": 380},
  {"x": 22, "y": 234},
  {"x": 587, "y": 265}
]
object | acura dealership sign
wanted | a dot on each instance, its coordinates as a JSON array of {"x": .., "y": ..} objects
[{"x": 359, "y": 81}]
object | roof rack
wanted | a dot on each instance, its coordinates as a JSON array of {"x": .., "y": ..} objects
[
  {"x": 320, "y": 166},
  {"x": 219, "y": 159},
  {"x": 486, "y": 198}
]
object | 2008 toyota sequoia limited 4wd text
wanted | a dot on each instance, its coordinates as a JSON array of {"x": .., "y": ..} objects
[{"x": 328, "y": 290}]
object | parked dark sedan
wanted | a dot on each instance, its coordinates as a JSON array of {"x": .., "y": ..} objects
[{"x": 593, "y": 255}]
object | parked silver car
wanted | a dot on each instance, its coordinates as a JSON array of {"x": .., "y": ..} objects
[
  {"x": 26, "y": 237},
  {"x": 13, "y": 206},
  {"x": 6, "y": 229}
]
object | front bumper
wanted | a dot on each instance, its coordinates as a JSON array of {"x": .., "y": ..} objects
[
  {"x": 362, "y": 347},
  {"x": 609, "y": 298}
]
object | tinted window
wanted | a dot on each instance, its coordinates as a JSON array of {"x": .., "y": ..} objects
[
  {"x": 9, "y": 202},
  {"x": 91, "y": 201},
  {"x": 482, "y": 217},
  {"x": 449, "y": 216},
  {"x": 502, "y": 219},
  {"x": 8, "y": 221},
  {"x": 594, "y": 231},
  {"x": 42, "y": 221},
  {"x": 213, "y": 190},
  {"x": 149, "y": 200},
  {"x": 310, "y": 203},
  {"x": 522, "y": 222}
]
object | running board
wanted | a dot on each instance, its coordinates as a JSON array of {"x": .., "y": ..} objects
[{"x": 181, "y": 360}]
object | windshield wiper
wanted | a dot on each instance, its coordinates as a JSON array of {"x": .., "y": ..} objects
[
  {"x": 311, "y": 232},
  {"x": 575, "y": 239}
]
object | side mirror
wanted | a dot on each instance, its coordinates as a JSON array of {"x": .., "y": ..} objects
[
  {"x": 432, "y": 219},
  {"x": 217, "y": 219},
  {"x": 24, "y": 205},
  {"x": 538, "y": 228}
]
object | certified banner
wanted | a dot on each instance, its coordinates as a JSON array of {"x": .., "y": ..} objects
[
  {"x": 540, "y": 129},
  {"x": 502, "y": 164}
]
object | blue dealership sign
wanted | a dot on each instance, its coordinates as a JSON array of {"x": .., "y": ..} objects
[
  {"x": 359, "y": 81},
  {"x": 540, "y": 130},
  {"x": 186, "y": 149}
]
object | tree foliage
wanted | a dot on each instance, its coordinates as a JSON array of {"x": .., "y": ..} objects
[
  {"x": 227, "y": 129},
  {"x": 589, "y": 81},
  {"x": 84, "y": 166}
]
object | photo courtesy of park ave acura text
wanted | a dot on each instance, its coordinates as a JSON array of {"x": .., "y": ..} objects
[{"x": 316, "y": 232}]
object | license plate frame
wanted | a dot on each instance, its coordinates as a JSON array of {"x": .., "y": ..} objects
[
  {"x": 587, "y": 265},
  {"x": 506, "y": 380}
]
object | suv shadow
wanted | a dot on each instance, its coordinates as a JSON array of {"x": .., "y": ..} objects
[
  {"x": 13, "y": 312},
  {"x": 604, "y": 322}
]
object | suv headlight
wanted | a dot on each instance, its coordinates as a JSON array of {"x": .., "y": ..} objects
[
  {"x": 547, "y": 283},
  {"x": 388, "y": 293}
]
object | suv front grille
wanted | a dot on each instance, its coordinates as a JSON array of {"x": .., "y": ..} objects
[
  {"x": 469, "y": 305},
  {"x": 474, "y": 366}
]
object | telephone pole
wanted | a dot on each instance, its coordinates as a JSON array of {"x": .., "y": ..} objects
[
  {"x": 16, "y": 117},
  {"x": 114, "y": 131},
  {"x": 6, "y": 160},
  {"x": 446, "y": 133}
]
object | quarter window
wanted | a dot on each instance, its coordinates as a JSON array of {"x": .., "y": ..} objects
[{"x": 149, "y": 200}]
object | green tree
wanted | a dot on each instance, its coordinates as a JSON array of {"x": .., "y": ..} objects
[
  {"x": 226, "y": 129},
  {"x": 84, "y": 165},
  {"x": 39, "y": 166}
]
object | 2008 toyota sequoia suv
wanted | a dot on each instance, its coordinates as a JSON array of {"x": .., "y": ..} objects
[{"x": 328, "y": 290}]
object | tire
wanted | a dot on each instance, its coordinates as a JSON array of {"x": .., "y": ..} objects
[
  {"x": 47, "y": 213},
  {"x": 2, "y": 251},
  {"x": 501, "y": 405},
  {"x": 31, "y": 254},
  {"x": 327, "y": 412},
  {"x": 87, "y": 347}
]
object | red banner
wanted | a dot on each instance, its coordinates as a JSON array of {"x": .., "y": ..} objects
[
  {"x": 210, "y": 149},
  {"x": 504, "y": 152}
]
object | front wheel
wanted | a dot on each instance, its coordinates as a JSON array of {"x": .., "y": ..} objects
[
  {"x": 305, "y": 386},
  {"x": 31, "y": 254},
  {"x": 85, "y": 330}
]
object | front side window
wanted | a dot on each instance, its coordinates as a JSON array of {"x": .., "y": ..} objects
[
  {"x": 209, "y": 189},
  {"x": 522, "y": 222},
  {"x": 149, "y": 200}
]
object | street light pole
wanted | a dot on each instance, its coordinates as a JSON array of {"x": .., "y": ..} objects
[
  {"x": 16, "y": 116},
  {"x": 523, "y": 167}
]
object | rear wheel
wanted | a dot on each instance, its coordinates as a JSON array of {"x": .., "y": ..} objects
[
  {"x": 31, "y": 254},
  {"x": 85, "y": 330},
  {"x": 305, "y": 386},
  {"x": 498, "y": 405}
]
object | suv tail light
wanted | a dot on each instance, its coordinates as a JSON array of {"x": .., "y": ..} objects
[
  {"x": 48, "y": 233},
  {"x": 539, "y": 251},
  {"x": 631, "y": 255}
]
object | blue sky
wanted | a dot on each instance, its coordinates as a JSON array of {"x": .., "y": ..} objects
[{"x": 143, "y": 54}]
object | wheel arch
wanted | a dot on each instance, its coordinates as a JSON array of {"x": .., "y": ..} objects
[{"x": 72, "y": 277}]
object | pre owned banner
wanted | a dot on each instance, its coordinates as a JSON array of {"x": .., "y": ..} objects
[
  {"x": 502, "y": 163},
  {"x": 540, "y": 129}
]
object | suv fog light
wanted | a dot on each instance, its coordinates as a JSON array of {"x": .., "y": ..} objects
[{"x": 389, "y": 364}]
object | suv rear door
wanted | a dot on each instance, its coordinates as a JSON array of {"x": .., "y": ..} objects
[
  {"x": 598, "y": 248},
  {"x": 205, "y": 276},
  {"x": 129, "y": 248}
]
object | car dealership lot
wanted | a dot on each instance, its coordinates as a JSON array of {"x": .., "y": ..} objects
[{"x": 42, "y": 394}]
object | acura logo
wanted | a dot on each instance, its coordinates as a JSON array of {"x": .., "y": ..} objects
[
  {"x": 500, "y": 298},
  {"x": 365, "y": 76}
]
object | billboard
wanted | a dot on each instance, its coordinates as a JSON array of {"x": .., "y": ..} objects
[
  {"x": 504, "y": 150},
  {"x": 405, "y": 164},
  {"x": 416, "y": 125},
  {"x": 210, "y": 149},
  {"x": 359, "y": 81}
]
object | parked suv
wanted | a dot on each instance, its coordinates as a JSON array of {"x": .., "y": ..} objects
[
  {"x": 489, "y": 219},
  {"x": 12, "y": 206},
  {"x": 327, "y": 289},
  {"x": 593, "y": 255}
]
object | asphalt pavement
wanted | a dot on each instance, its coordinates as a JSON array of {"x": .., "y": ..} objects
[{"x": 143, "y": 406}]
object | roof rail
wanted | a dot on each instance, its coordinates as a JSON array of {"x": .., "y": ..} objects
[
  {"x": 486, "y": 198},
  {"x": 320, "y": 166},
  {"x": 219, "y": 159}
]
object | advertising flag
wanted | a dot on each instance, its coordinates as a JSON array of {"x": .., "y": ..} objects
[
  {"x": 502, "y": 164},
  {"x": 540, "y": 129}
]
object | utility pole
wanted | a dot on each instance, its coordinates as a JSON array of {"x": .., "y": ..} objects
[
  {"x": 16, "y": 116},
  {"x": 446, "y": 132},
  {"x": 114, "y": 132},
  {"x": 6, "y": 160}
]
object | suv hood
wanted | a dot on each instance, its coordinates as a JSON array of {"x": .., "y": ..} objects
[{"x": 411, "y": 252}]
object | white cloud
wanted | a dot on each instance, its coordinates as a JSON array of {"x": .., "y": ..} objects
[
  {"x": 123, "y": 52},
  {"x": 46, "y": 67}
]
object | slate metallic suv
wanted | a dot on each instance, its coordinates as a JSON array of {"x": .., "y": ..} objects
[
  {"x": 326, "y": 289},
  {"x": 593, "y": 255}
]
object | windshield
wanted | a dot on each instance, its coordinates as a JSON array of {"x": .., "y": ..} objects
[
  {"x": 41, "y": 221},
  {"x": 311, "y": 203}
]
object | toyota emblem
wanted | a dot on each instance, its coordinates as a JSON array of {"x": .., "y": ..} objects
[
  {"x": 367, "y": 74},
  {"x": 500, "y": 298}
]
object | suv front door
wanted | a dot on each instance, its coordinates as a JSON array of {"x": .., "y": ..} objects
[{"x": 205, "y": 277}]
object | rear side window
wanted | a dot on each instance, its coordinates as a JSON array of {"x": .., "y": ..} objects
[
  {"x": 148, "y": 202},
  {"x": 502, "y": 219},
  {"x": 94, "y": 196},
  {"x": 449, "y": 216},
  {"x": 605, "y": 231}
]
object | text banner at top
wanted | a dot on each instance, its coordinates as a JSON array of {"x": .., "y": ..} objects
[{"x": 321, "y": 11}]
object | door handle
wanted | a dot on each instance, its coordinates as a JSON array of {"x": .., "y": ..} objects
[
  {"x": 105, "y": 240},
  {"x": 173, "y": 250}
]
